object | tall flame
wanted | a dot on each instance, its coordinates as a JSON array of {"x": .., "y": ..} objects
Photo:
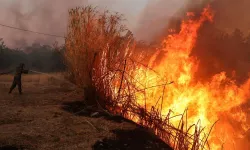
[{"x": 206, "y": 101}]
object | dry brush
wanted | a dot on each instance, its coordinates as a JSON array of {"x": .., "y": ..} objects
[{"x": 101, "y": 56}]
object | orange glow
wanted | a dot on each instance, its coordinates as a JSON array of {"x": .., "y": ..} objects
[{"x": 207, "y": 102}]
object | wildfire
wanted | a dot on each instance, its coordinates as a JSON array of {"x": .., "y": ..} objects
[
  {"x": 100, "y": 55},
  {"x": 207, "y": 102}
]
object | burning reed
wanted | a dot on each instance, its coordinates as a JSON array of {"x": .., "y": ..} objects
[
  {"x": 99, "y": 56},
  {"x": 95, "y": 42},
  {"x": 102, "y": 57}
]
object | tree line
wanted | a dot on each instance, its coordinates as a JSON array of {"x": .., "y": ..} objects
[{"x": 44, "y": 58}]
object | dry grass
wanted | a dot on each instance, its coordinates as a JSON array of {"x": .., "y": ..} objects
[
  {"x": 49, "y": 79},
  {"x": 36, "y": 119},
  {"x": 100, "y": 55},
  {"x": 91, "y": 35}
]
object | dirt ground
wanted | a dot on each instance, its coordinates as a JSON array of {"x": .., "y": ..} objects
[{"x": 50, "y": 115}]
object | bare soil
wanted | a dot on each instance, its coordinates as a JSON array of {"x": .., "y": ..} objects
[{"x": 51, "y": 115}]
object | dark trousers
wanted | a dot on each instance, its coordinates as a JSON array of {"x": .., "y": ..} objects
[{"x": 16, "y": 82}]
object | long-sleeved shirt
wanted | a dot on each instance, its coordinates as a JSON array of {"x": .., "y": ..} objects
[{"x": 19, "y": 72}]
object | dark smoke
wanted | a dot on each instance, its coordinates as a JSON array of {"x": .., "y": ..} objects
[
  {"x": 220, "y": 51},
  {"x": 231, "y": 14},
  {"x": 224, "y": 45}
]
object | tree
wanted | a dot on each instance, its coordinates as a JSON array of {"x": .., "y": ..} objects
[{"x": 41, "y": 57}]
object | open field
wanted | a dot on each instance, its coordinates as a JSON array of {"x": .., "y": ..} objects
[{"x": 48, "y": 116}]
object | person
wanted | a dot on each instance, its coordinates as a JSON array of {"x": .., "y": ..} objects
[{"x": 18, "y": 78}]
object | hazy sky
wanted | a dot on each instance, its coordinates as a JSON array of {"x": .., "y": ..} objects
[
  {"x": 130, "y": 8},
  {"x": 143, "y": 17},
  {"x": 50, "y": 16},
  {"x": 146, "y": 18}
]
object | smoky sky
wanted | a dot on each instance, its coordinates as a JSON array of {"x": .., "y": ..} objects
[
  {"x": 41, "y": 16},
  {"x": 160, "y": 15},
  {"x": 148, "y": 19},
  {"x": 157, "y": 16},
  {"x": 51, "y": 17},
  {"x": 231, "y": 14}
]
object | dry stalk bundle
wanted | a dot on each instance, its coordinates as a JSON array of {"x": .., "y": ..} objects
[{"x": 100, "y": 54}]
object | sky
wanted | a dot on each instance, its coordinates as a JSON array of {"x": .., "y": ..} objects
[
  {"x": 145, "y": 18},
  {"x": 50, "y": 16},
  {"x": 130, "y": 8}
]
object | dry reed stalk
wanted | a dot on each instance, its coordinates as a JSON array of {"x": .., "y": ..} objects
[{"x": 97, "y": 45}]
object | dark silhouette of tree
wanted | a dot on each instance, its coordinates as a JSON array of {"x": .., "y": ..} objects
[{"x": 43, "y": 58}]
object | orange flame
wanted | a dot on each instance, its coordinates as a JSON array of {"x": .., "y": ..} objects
[{"x": 207, "y": 102}]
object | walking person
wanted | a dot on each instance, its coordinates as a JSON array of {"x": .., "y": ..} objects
[{"x": 18, "y": 78}]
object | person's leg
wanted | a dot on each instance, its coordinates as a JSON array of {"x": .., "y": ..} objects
[
  {"x": 12, "y": 86},
  {"x": 19, "y": 83}
]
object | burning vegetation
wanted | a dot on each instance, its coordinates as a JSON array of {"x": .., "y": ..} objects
[{"x": 160, "y": 91}]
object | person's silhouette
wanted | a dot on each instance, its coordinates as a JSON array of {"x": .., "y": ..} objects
[{"x": 18, "y": 78}]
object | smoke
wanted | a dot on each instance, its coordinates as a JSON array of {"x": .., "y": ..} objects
[
  {"x": 215, "y": 52},
  {"x": 231, "y": 14},
  {"x": 224, "y": 45},
  {"x": 219, "y": 48},
  {"x": 50, "y": 17},
  {"x": 149, "y": 20},
  {"x": 159, "y": 15},
  {"x": 42, "y": 16}
]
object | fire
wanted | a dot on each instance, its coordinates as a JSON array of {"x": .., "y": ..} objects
[
  {"x": 206, "y": 101},
  {"x": 99, "y": 54}
]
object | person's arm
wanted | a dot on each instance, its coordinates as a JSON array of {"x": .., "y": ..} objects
[{"x": 25, "y": 71}]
